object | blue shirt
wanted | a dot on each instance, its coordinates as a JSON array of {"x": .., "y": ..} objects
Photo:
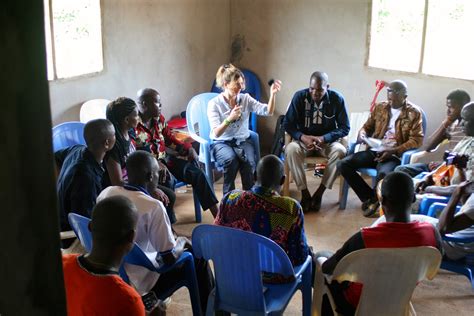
[
  {"x": 328, "y": 119},
  {"x": 79, "y": 182}
]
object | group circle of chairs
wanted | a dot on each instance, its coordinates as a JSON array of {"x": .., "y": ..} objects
[{"x": 241, "y": 290}]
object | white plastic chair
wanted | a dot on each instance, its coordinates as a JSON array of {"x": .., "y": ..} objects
[
  {"x": 389, "y": 276},
  {"x": 93, "y": 109}
]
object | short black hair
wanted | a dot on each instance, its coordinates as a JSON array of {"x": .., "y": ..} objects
[
  {"x": 146, "y": 95},
  {"x": 398, "y": 191},
  {"x": 112, "y": 221},
  {"x": 319, "y": 75},
  {"x": 97, "y": 131},
  {"x": 139, "y": 166},
  {"x": 270, "y": 170},
  {"x": 459, "y": 97}
]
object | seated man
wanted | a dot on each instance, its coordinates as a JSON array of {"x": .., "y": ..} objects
[
  {"x": 154, "y": 234},
  {"x": 153, "y": 135},
  {"x": 80, "y": 178},
  {"x": 317, "y": 121},
  {"x": 263, "y": 211},
  {"x": 397, "y": 194},
  {"x": 398, "y": 124},
  {"x": 92, "y": 281},
  {"x": 449, "y": 130},
  {"x": 462, "y": 167}
]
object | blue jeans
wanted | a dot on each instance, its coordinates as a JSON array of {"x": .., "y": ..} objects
[
  {"x": 413, "y": 169},
  {"x": 234, "y": 158}
]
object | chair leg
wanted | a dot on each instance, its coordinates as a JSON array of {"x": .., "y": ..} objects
[
  {"x": 192, "y": 286},
  {"x": 211, "y": 301},
  {"x": 343, "y": 195},
  {"x": 306, "y": 291},
  {"x": 197, "y": 207}
]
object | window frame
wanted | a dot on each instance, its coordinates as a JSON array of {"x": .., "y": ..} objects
[
  {"x": 53, "y": 45},
  {"x": 418, "y": 73}
]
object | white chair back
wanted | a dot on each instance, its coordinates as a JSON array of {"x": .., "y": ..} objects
[
  {"x": 389, "y": 277},
  {"x": 93, "y": 109}
]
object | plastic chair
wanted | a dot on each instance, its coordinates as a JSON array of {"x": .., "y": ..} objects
[
  {"x": 136, "y": 256},
  {"x": 372, "y": 172},
  {"x": 68, "y": 134},
  {"x": 199, "y": 129},
  {"x": 239, "y": 257},
  {"x": 79, "y": 225},
  {"x": 93, "y": 109},
  {"x": 252, "y": 87},
  {"x": 464, "y": 266},
  {"x": 389, "y": 276}
]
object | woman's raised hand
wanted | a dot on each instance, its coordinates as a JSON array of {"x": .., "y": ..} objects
[{"x": 276, "y": 86}]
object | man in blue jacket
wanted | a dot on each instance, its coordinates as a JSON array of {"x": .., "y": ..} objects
[{"x": 317, "y": 121}]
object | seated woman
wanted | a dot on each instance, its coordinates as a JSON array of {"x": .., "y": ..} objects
[
  {"x": 123, "y": 113},
  {"x": 229, "y": 119}
]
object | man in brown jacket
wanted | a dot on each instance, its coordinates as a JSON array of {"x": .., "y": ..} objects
[{"x": 398, "y": 124}]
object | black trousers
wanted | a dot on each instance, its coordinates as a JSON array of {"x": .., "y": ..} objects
[
  {"x": 364, "y": 159},
  {"x": 189, "y": 173},
  {"x": 204, "y": 277}
]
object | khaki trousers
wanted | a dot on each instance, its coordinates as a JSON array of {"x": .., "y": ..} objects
[{"x": 295, "y": 153}]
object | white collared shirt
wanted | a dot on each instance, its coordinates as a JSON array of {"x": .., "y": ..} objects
[{"x": 218, "y": 110}]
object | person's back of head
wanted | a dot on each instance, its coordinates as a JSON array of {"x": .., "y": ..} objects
[
  {"x": 99, "y": 134},
  {"x": 113, "y": 224},
  {"x": 459, "y": 97},
  {"x": 397, "y": 196},
  {"x": 270, "y": 172},
  {"x": 467, "y": 115},
  {"x": 142, "y": 168}
]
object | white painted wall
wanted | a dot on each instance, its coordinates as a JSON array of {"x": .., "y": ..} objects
[
  {"x": 291, "y": 39},
  {"x": 174, "y": 46},
  {"x": 177, "y": 45}
]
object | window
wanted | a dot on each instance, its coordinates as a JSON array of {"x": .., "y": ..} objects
[
  {"x": 424, "y": 36},
  {"x": 73, "y": 37}
]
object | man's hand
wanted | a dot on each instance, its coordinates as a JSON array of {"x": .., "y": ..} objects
[
  {"x": 312, "y": 142},
  {"x": 192, "y": 155},
  {"x": 422, "y": 185},
  {"x": 361, "y": 137},
  {"x": 384, "y": 155},
  {"x": 160, "y": 195}
]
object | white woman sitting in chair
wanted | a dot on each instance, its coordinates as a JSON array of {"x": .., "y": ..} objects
[{"x": 229, "y": 119}]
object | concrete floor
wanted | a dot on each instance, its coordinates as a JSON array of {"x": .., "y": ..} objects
[{"x": 447, "y": 294}]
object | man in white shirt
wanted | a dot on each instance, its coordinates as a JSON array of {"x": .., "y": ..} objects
[
  {"x": 398, "y": 124},
  {"x": 154, "y": 234}
]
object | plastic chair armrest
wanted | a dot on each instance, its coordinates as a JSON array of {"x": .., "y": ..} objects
[
  {"x": 351, "y": 148},
  {"x": 185, "y": 256},
  {"x": 302, "y": 267},
  {"x": 406, "y": 156},
  {"x": 458, "y": 239}
]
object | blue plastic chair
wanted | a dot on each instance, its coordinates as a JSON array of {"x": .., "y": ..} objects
[
  {"x": 252, "y": 87},
  {"x": 200, "y": 130},
  {"x": 239, "y": 257},
  {"x": 137, "y": 257},
  {"x": 79, "y": 225},
  {"x": 464, "y": 266},
  {"x": 372, "y": 172},
  {"x": 197, "y": 205},
  {"x": 68, "y": 134}
]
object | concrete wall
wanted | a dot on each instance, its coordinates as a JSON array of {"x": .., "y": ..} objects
[
  {"x": 174, "y": 46},
  {"x": 290, "y": 39}
]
